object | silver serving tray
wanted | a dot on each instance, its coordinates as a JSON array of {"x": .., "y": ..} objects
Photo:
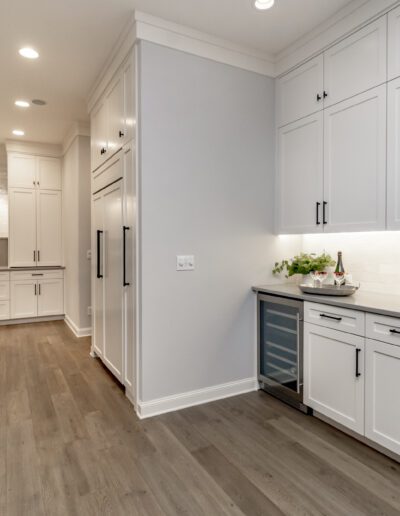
[{"x": 329, "y": 290}]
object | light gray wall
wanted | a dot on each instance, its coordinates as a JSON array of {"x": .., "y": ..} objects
[
  {"x": 76, "y": 230},
  {"x": 207, "y": 161}
]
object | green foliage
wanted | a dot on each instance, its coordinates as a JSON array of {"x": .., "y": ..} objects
[{"x": 303, "y": 263}]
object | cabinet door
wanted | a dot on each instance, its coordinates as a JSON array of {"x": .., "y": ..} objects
[
  {"x": 382, "y": 381},
  {"x": 129, "y": 99},
  {"x": 113, "y": 279},
  {"x": 300, "y": 92},
  {"x": 50, "y": 296},
  {"x": 355, "y": 163},
  {"x": 356, "y": 64},
  {"x": 97, "y": 275},
  {"x": 23, "y": 298},
  {"x": 130, "y": 267},
  {"x": 300, "y": 174},
  {"x": 331, "y": 384},
  {"x": 22, "y": 238},
  {"x": 394, "y": 44},
  {"x": 21, "y": 171},
  {"x": 49, "y": 237},
  {"x": 98, "y": 142},
  {"x": 4, "y": 310},
  {"x": 393, "y": 155},
  {"x": 49, "y": 173},
  {"x": 116, "y": 118}
]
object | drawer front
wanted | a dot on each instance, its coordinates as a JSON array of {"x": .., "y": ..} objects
[
  {"x": 4, "y": 276},
  {"x": 343, "y": 319},
  {"x": 4, "y": 290},
  {"x": 385, "y": 329},
  {"x": 4, "y": 310},
  {"x": 38, "y": 274}
]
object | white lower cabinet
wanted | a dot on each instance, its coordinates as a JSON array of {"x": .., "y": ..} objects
[
  {"x": 382, "y": 381},
  {"x": 4, "y": 310},
  {"x": 334, "y": 375},
  {"x": 36, "y": 294}
]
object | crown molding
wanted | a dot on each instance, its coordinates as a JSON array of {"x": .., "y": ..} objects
[
  {"x": 34, "y": 148},
  {"x": 179, "y": 37},
  {"x": 77, "y": 129},
  {"x": 349, "y": 19}
]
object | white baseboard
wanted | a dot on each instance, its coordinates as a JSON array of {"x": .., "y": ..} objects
[
  {"x": 78, "y": 332},
  {"x": 29, "y": 320},
  {"x": 151, "y": 408}
]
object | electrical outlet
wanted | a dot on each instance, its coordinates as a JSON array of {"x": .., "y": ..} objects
[
  {"x": 89, "y": 310},
  {"x": 89, "y": 254},
  {"x": 185, "y": 262}
]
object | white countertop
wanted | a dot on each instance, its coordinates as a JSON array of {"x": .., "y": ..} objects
[{"x": 384, "y": 304}]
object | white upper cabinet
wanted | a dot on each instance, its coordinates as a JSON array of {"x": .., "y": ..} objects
[
  {"x": 48, "y": 174},
  {"x": 48, "y": 229},
  {"x": 28, "y": 171},
  {"x": 356, "y": 64},
  {"x": 116, "y": 117},
  {"x": 113, "y": 118},
  {"x": 394, "y": 44},
  {"x": 22, "y": 238},
  {"x": 21, "y": 171},
  {"x": 300, "y": 174},
  {"x": 355, "y": 163},
  {"x": 393, "y": 156},
  {"x": 300, "y": 92}
]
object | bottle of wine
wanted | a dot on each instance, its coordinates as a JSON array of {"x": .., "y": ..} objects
[{"x": 339, "y": 264}]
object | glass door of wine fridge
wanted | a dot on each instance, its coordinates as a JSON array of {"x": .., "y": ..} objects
[{"x": 280, "y": 348}]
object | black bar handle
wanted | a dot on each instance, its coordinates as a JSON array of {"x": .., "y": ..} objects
[
  {"x": 317, "y": 205},
  {"x": 324, "y": 221},
  {"x": 319, "y": 97},
  {"x": 325, "y": 94},
  {"x": 40, "y": 293},
  {"x": 38, "y": 256},
  {"x": 358, "y": 351},
  {"x": 331, "y": 317},
  {"x": 34, "y": 256},
  {"x": 124, "y": 230},
  {"x": 35, "y": 290},
  {"x": 395, "y": 331},
  {"x": 99, "y": 232}
]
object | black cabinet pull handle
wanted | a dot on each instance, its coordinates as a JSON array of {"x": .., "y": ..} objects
[
  {"x": 103, "y": 150},
  {"x": 317, "y": 204},
  {"x": 358, "y": 351},
  {"x": 38, "y": 256},
  {"x": 324, "y": 221},
  {"x": 99, "y": 232},
  {"x": 35, "y": 290},
  {"x": 121, "y": 134},
  {"x": 325, "y": 94},
  {"x": 331, "y": 317},
  {"x": 124, "y": 230},
  {"x": 40, "y": 293},
  {"x": 34, "y": 256},
  {"x": 395, "y": 331},
  {"x": 319, "y": 97}
]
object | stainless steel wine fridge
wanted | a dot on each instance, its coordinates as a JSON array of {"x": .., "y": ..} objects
[{"x": 280, "y": 348}]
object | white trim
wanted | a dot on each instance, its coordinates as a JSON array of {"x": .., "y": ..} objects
[
  {"x": 78, "y": 332},
  {"x": 179, "y": 37},
  {"x": 130, "y": 396},
  {"x": 34, "y": 148},
  {"x": 151, "y": 408},
  {"x": 348, "y": 20},
  {"x": 30, "y": 320},
  {"x": 77, "y": 129}
]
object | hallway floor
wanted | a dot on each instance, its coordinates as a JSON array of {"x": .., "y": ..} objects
[{"x": 70, "y": 443}]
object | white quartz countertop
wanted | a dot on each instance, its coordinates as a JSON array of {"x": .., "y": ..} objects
[
  {"x": 16, "y": 269},
  {"x": 384, "y": 304}
]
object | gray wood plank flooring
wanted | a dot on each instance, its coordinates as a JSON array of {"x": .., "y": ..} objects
[{"x": 70, "y": 444}]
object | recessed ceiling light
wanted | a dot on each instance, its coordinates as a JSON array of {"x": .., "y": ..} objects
[
  {"x": 22, "y": 103},
  {"x": 263, "y": 4},
  {"x": 29, "y": 53},
  {"x": 18, "y": 132}
]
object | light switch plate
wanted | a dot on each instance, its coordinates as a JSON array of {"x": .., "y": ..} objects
[{"x": 185, "y": 262}]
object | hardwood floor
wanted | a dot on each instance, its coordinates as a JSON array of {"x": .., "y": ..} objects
[{"x": 70, "y": 444}]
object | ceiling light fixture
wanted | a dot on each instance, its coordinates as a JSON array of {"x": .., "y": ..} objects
[
  {"x": 29, "y": 53},
  {"x": 262, "y": 5},
  {"x": 22, "y": 103},
  {"x": 18, "y": 132}
]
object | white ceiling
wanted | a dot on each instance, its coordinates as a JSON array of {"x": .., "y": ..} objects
[{"x": 74, "y": 38}]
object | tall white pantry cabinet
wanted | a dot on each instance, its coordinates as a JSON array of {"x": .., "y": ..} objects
[{"x": 113, "y": 167}]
